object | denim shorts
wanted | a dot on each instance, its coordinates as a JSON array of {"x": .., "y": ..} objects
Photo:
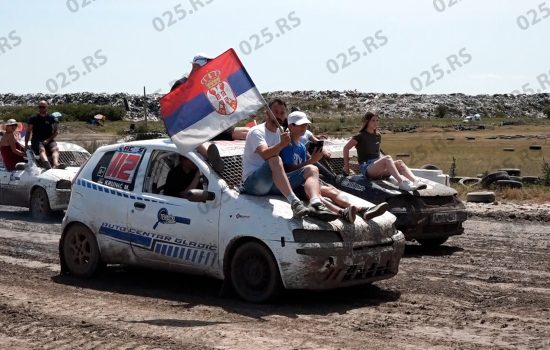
[
  {"x": 260, "y": 182},
  {"x": 365, "y": 166}
]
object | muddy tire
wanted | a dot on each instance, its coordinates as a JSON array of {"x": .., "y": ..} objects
[
  {"x": 535, "y": 147},
  {"x": 489, "y": 179},
  {"x": 430, "y": 167},
  {"x": 81, "y": 256},
  {"x": 254, "y": 273},
  {"x": 40, "y": 204},
  {"x": 432, "y": 242},
  {"x": 469, "y": 181},
  {"x": 512, "y": 171},
  {"x": 508, "y": 184},
  {"x": 481, "y": 197}
]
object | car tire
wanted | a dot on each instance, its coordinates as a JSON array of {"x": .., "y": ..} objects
[
  {"x": 531, "y": 180},
  {"x": 40, "y": 204},
  {"x": 469, "y": 181},
  {"x": 481, "y": 197},
  {"x": 508, "y": 184},
  {"x": 489, "y": 179},
  {"x": 512, "y": 171},
  {"x": 535, "y": 147},
  {"x": 254, "y": 273},
  {"x": 81, "y": 255},
  {"x": 432, "y": 242},
  {"x": 430, "y": 167}
]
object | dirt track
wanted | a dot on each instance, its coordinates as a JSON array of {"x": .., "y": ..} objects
[{"x": 489, "y": 288}]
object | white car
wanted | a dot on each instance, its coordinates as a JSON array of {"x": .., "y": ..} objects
[
  {"x": 39, "y": 189},
  {"x": 118, "y": 214}
]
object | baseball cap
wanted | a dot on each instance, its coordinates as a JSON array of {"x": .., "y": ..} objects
[
  {"x": 201, "y": 59},
  {"x": 298, "y": 118},
  {"x": 11, "y": 122}
]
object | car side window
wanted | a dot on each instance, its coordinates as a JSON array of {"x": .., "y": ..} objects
[
  {"x": 170, "y": 174},
  {"x": 118, "y": 168}
]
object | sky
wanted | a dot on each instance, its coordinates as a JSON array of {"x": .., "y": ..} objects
[{"x": 399, "y": 46}]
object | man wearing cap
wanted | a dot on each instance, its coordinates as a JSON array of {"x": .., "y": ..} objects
[
  {"x": 295, "y": 157},
  {"x": 12, "y": 152},
  {"x": 263, "y": 171},
  {"x": 43, "y": 128}
]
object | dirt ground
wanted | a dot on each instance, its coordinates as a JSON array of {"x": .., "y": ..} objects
[{"x": 486, "y": 289}]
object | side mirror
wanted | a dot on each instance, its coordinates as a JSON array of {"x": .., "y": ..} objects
[{"x": 199, "y": 196}]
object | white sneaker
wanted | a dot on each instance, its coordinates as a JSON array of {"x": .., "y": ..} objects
[
  {"x": 407, "y": 185},
  {"x": 420, "y": 185}
]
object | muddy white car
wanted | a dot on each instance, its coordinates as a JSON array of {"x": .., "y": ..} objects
[
  {"x": 41, "y": 190},
  {"x": 118, "y": 214}
]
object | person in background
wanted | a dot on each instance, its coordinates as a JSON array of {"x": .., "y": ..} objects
[
  {"x": 42, "y": 130},
  {"x": 373, "y": 164},
  {"x": 12, "y": 152},
  {"x": 294, "y": 157}
]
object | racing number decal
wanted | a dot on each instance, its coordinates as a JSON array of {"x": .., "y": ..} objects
[{"x": 123, "y": 167}]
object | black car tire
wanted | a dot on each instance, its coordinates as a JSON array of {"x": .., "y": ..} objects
[
  {"x": 508, "y": 184},
  {"x": 489, "y": 179},
  {"x": 40, "y": 204},
  {"x": 512, "y": 171},
  {"x": 81, "y": 255},
  {"x": 430, "y": 167},
  {"x": 432, "y": 242},
  {"x": 531, "y": 180},
  {"x": 254, "y": 273},
  {"x": 535, "y": 147},
  {"x": 481, "y": 197}
]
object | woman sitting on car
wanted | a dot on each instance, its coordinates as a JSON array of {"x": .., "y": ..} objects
[
  {"x": 373, "y": 163},
  {"x": 12, "y": 152}
]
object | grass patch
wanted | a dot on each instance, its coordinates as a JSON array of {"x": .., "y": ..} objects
[
  {"x": 531, "y": 193},
  {"x": 71, "y": 112}
]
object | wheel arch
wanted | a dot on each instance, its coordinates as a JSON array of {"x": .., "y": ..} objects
[
  {"x": 64, "y": 269},
  {"x": 230, "y": 252}
]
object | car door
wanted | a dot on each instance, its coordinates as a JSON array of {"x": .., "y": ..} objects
[
  {"x": 107, "y": 191},
  {"x": 13, "y": 189},
  {"x": 175, "y": 230}
]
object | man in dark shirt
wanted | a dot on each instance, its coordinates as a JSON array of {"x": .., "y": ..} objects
[
  {"x": 182, "y": 178},
  {"x": 43, "y": 128}
]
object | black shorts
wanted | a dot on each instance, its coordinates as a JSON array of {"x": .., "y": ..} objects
[
  {"x": 226, "y": 135},
  {"x": 37, "y": 146}
]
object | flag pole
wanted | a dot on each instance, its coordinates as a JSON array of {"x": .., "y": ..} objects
[{"x": 270, "y": 112}]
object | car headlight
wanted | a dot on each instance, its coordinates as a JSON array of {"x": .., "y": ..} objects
[
  {"x": 316, "y": 236},
  {"x": 63, "y": 185}
]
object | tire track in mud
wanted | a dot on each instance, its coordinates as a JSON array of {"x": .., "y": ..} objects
[{"x": 463, "y": 295}]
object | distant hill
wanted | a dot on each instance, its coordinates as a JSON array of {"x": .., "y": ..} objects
[{"x": 337, "y": 104}]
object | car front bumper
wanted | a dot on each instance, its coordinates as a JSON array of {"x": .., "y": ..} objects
[{"x": 341, "y": 265}]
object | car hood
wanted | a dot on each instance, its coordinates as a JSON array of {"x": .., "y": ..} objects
[
  {"x": 275, "y": 215},
  {"x": 59, "y": 174},
  {"x": 380, "y": 190}
]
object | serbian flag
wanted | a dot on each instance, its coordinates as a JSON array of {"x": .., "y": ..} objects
[{"x": 214, "y": 97}]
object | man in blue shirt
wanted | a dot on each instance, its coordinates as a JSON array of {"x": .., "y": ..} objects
[{"x": 294, "y": 157}]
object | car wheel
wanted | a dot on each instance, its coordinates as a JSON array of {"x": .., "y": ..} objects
[
  {"x": 40, "y": 204},
  {"x": 254, "y": 273},
  {"x": 80, "y": 252},
  {"x": 432, "y": 242},
  {"x": 508, "y": 184}
]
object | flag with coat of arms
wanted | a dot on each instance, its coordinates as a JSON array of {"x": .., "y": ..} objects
[{"x": 214, "y": 97}]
